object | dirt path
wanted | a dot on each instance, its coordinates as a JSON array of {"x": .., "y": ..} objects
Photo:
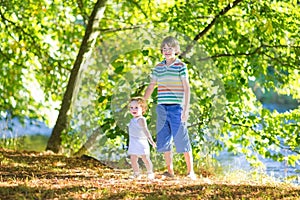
[{"x": 31, "y": 175}]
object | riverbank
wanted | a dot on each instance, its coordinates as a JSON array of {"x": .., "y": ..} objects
[{"x": 32, "y": 175}]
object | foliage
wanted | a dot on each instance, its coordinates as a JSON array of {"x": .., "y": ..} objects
[
  {"x": 39, "y": 43},
  {"x": 240, "y": 50}
]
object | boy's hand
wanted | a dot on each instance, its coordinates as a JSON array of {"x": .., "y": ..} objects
[{"x": 184, "y": 116}]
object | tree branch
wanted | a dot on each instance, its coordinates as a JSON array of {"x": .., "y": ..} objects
[
  {"x": 209, "y": 26},
  {"x": 232, "y": 55},
  {"x": 83, "y": 13},
  {"x": 112, "y": 30},
  {"x": 140, "y": 8},
  {"x": 288, "y": 148},
  {"x": 283, "y": 63},
  {"x": 257, "y": 50}
]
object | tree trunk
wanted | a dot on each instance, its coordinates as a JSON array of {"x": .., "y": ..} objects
[{"x": 88, "y": 42}]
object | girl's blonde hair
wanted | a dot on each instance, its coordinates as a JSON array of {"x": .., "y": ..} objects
[
  {"x": 171, "y": 42},
  {"x": 141, "y": 101}
]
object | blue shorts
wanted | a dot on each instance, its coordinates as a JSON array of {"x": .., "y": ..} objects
[{"x": 169, "y": 127}]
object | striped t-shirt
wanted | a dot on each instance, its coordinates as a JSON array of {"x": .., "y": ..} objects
[{"x": 169, "y": 81}]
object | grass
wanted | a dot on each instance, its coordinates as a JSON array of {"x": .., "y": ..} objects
[
  {"x": 27, "y": 142},
  {"x": 33, "y": 175}
]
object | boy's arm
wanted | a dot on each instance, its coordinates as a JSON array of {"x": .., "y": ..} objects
[
  {"x": 186, "y": 106},
  {"x": 142, "y": 122},
  {"x": 149, "y": 89}
]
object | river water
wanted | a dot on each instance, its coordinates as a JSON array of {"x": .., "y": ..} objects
[{"x": 278, "y": 170}]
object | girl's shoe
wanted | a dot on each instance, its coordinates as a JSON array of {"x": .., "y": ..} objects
[
  {"x": 151, "y": 176},
  {"x": 135, "y": 176}
]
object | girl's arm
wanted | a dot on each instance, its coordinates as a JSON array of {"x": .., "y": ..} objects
[{"x": 142, "y": 122}]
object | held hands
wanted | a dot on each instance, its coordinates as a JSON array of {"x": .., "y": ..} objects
[{"x": 152, "y": 143}]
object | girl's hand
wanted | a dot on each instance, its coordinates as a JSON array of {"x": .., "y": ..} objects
[{"x": 153, "y": 143}]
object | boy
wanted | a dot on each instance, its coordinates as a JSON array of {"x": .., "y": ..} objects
[{"x": 171, "y": 76}]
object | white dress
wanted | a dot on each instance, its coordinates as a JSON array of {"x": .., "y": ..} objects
[{"x": 138, "y": 143}]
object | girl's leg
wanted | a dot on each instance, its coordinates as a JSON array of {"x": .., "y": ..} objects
[
  {"x": 146, "y": 159},
  {"x": 149, "y": 166},
  {"x": 134, "y": 164}
]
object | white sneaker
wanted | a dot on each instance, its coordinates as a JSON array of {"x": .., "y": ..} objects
[
  {"x": 135, "y": 176},
  {"x": 151, "y": 176},
  {"x": 192, "y": 176}
]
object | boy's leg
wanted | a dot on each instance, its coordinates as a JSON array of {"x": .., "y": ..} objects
[
  {"x": 189, "y": 162},
  {"x": 169, "y": 162},
  {"x": 134, "y": 164},
  {"x": 164, "y": 137},
  {"x": 182, "y": 141}
]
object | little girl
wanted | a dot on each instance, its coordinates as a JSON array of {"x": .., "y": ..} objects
[{"x": 139, "y": 136}]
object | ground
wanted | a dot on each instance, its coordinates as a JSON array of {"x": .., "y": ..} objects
[{"x": 32, "y": 175}]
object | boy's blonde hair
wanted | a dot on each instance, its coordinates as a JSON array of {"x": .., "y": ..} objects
[
  {"x": 141, "y": 101},
  {"x": 171, "y": 42}
]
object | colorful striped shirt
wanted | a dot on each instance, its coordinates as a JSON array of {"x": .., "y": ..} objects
[{"x": 169, "y": 81}]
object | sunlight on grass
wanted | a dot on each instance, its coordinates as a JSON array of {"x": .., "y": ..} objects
[
  {"x": 29, "y": 142},
  {"x": 252, "y": 178}
]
